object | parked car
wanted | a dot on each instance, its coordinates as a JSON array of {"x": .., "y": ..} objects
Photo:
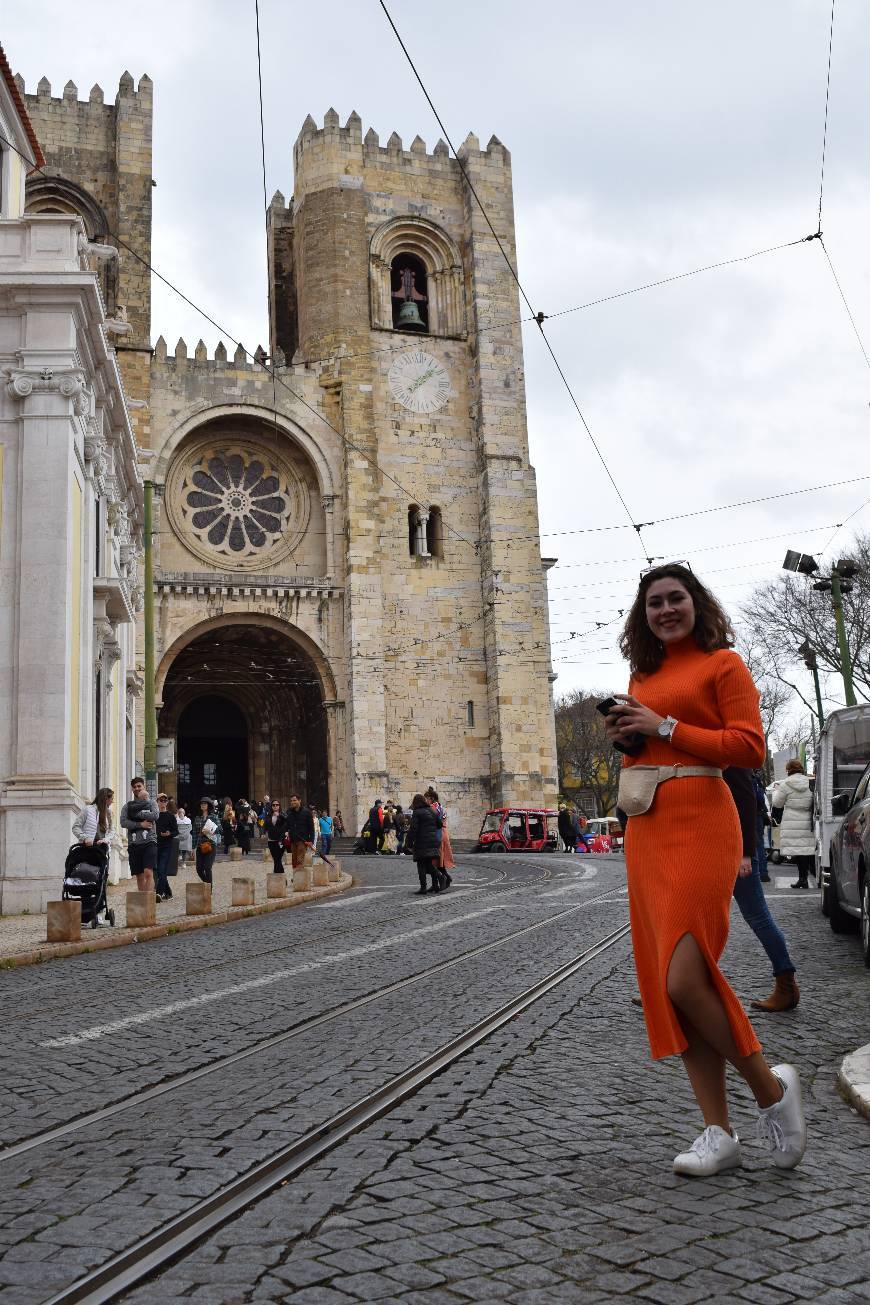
[
  {"x": 848, "y": 887},
  {"x": 518, "y": 829},
  {"x": 842, "y": 757}
]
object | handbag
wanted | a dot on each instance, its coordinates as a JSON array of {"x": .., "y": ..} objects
[
  {"x": 205, "y": 846},
  {"x": 638, "y": 784}
]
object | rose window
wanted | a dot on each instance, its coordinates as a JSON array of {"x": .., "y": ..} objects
[{"x": 239, "y": 504}]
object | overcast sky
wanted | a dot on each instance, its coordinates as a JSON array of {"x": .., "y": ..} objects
[{"x": 648, "y": 137}]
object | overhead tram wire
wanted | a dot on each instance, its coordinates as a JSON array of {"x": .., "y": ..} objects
[
  {"x": 737, "y": 543},
  {"x": 272, "y": 315},
  {"x": 845, "y": 303},
  {"x": 723, "y": 507},
  {"x": 668, "y": 280},
  {"x": 825, "y": 129},
  {"x": 538, "y": 316}
]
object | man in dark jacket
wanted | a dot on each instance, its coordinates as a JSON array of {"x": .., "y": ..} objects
[
  {"x": 299, "y": 830},
  {"x": 376, "y": 826},
  {"x": 566, "y": 827}
]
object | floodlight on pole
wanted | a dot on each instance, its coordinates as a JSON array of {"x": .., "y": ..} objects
[
  {"x": 838, "y": 583},
  {"x": 803, "y": 563}
]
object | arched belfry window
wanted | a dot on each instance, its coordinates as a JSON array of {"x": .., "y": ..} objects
[
  {"x": 408, "y": 293},
  {"x": 411, "y": 257}
]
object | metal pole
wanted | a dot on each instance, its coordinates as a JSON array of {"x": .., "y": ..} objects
[
  {"x": 815, "y": 671},
  {"x": 150, "y": 714},
  {"x": 845, "y": 659}
]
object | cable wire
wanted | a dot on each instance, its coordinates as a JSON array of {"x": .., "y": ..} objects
[
  {"x": 668, "y": 280},
  {"x": 723, "y": 507},
  {"x": 825, "y": 131},
  {"x": 538, "y": 317},
  {"x": 845, "y": 303}
]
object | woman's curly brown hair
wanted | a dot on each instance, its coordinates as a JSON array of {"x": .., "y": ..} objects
[{"x": 640, "y": 647}]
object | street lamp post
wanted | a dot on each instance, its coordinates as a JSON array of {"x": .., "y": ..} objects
[
  {"x": 812, "y": 664},
  {"x": 838, "y": 583}
]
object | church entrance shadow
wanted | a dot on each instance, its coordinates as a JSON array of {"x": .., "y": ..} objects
[{"x": 245, "y": 704}]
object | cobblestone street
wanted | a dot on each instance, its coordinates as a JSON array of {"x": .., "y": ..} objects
[{"x": 537, "y": 1168}]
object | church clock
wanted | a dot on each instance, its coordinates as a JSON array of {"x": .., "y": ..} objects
[{"x": 419, "y": 382}]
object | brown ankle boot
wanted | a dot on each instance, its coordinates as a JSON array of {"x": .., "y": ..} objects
[{"x": 785, "y": 996}]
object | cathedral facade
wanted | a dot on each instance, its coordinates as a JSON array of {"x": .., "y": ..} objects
[{"x": 350, "y": 597}]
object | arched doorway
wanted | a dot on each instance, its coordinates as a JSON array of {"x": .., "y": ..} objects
[
  {"x": 250, "y": 696},
  {"x": 211, "y": 750}
]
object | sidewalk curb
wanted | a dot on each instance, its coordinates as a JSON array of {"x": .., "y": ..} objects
[
  {"x": 853, "y": 1080},
  {"x": 102, "y": 941}
]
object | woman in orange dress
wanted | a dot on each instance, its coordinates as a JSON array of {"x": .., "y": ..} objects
[{"x": 695, "y": 704}]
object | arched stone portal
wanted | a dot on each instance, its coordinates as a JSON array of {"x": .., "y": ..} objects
[{"x": 254, "y": 697}]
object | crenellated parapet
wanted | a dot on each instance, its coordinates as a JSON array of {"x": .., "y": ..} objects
[
  {"x": 220, "y": 361},
  {"x": 127, "y": 89},
  {"x": 332, "y": 141}
]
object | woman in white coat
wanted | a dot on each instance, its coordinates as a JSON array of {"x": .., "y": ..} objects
[
  {"x": 93, "y": 824},
  {"x": 797, "y": 839}
]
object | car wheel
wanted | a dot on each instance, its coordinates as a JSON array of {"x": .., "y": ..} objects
[
  {"x": 865, "y": 919},
  {"x": 839, "y": 920},
  {"x": 499, "y": 847}
]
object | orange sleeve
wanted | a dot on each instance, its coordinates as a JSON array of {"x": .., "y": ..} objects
[{"x": 740, "y": 742}]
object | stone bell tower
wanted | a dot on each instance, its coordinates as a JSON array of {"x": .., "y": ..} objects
[
  {"x": 447, "y": 638},
  {"x": 98, "y": 165}
]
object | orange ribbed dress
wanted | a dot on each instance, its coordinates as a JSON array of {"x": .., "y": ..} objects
[{"x": 683, "y": 854}]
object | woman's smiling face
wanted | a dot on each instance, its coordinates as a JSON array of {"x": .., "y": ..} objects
[{"x": 670, "y": 612}]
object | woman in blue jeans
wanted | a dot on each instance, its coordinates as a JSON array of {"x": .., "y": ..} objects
[{"x": 749, "y": 896}]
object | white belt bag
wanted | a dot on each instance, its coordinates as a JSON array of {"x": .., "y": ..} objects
[{"x": 638, "y": 784}]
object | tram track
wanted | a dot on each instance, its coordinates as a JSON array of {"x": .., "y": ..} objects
[
  {"x": 176, "y": 1082},
  {"x": 499, "y": 884},
  {"x": 173, "y": 1239}
]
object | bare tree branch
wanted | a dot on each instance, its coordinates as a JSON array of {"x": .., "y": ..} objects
[{"x": 586, "y": 758}]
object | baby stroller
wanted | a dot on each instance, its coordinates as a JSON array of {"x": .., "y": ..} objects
[
  {"x": 85, "y": 878},
  {"x": 362, "y": 845}
]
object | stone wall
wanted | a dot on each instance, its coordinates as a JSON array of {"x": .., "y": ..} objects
[{"x": 105, "y": 151}]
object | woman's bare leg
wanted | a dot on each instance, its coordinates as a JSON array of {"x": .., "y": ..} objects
[
  {"x": 693, "y": 993},
  {"x": 706, "y": 1070}
]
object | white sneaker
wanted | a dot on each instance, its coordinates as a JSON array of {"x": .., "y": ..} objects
[
  {"x": 782, "y": 1127},
  {"x": 710, "y": 1153}
]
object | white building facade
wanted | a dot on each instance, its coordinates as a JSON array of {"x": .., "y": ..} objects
[{"x": 70, "y": 534}]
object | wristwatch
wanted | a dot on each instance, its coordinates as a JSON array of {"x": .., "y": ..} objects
[{"x": 667, "y": 727}]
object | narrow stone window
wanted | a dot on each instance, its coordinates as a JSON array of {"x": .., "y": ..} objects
[
  {"x": 418, "y": 530},
  {"x": 435, "y": 533},
  {"x": 469, "y": 714}
]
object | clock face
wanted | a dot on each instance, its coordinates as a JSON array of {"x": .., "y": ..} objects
[{"x": 419, "y": 382}]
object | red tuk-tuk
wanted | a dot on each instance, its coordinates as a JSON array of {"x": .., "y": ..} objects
[{"x": 518, "y": 829}]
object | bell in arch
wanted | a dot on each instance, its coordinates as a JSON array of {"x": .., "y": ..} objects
[{"x": 409, "y": 317}]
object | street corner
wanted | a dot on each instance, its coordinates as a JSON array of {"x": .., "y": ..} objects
[{"x": 853, "y": 1080}]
